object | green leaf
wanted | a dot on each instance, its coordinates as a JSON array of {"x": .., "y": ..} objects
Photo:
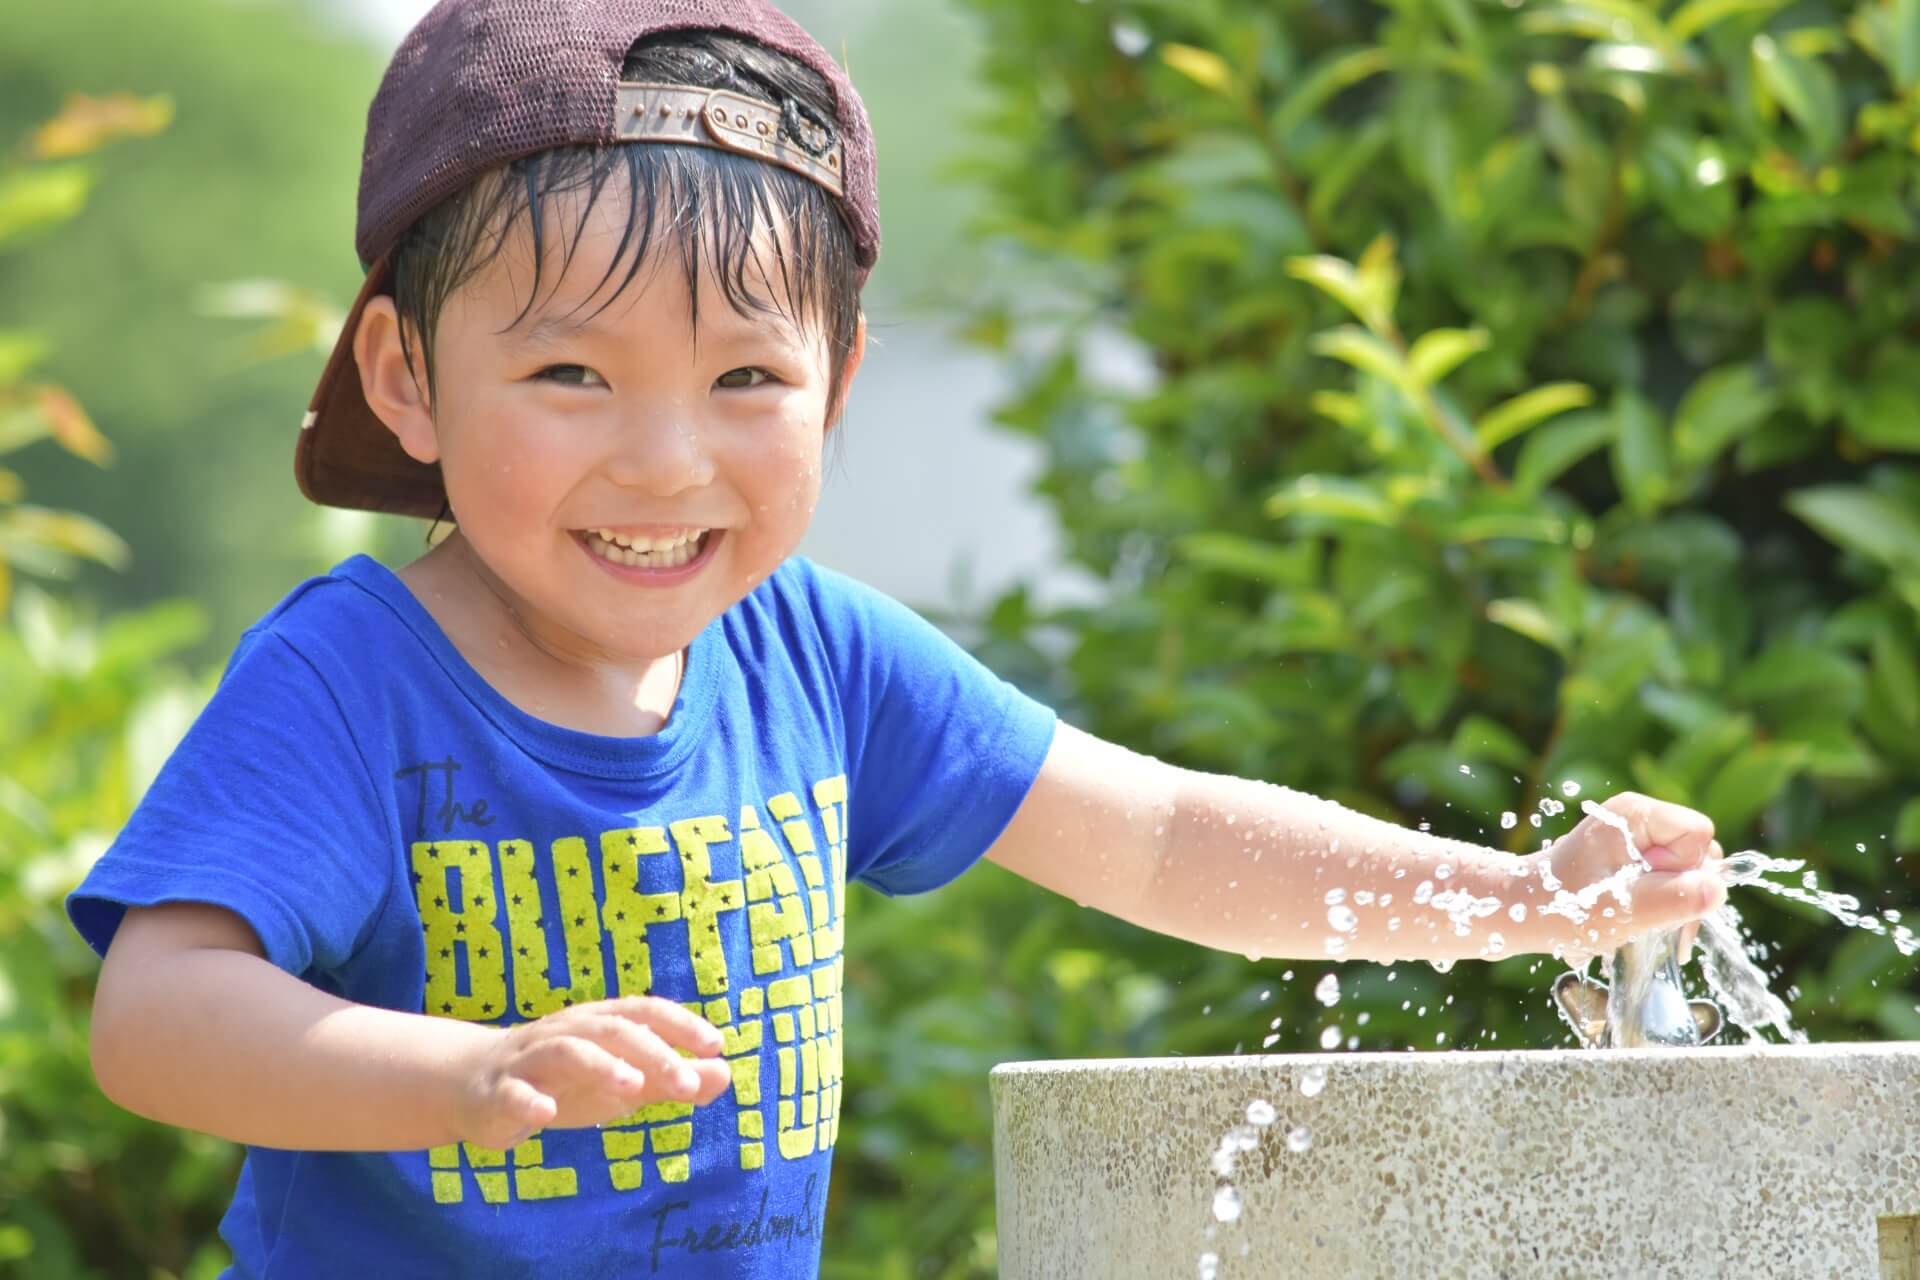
[
  {"x": 1885, "y": 412},
  {"x": 1748, "y": 783},
  {"x": 1694, "y": 755},
  {"x": 1862, "y": 520},
  {"x": 1299, "y": 622},
  {"x": 1358, "y": 291},
  {"x": 1790, "y": 669},
  {"x": 1529, "y": 620},
  {"x": 19, "y": 352},
  {"x": 1337, "y": 71},
  {"x": 65, "y": 532},
  {"x": 1530, "y": 408},
  {"x": 1479, "y": 738},
  {"x": 1525, "y": 526},
  {"x": 1335, "y": 497},
  {"x": 1806, "y": 87},
  {"x": 21, "y": 424},
  {"x": 1906, "y": 831},
  {"x": 1439, "y": 352},
  {"x": 1717, "y": 410},
  {"x": 1202, "y": 66},
  {"x": 1608, "y": 22},
  {"x": 1697, "y": 16},
  {"x": 1640, "y": 453},
  {"x": 1890, "y": 31},
  {"x": 1896, "y": 675},
  {"x": 1363, "y": 351},
  {"x": 1280, "y": 564},
  {"x": 1427, "y": 689},
  {"x": 1550, "y": 451},
  {"x": 1692, "y": 179},
  {"x": 42, "y": 197}
]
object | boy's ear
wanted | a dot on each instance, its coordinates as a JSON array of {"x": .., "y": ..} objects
[
  {"x": 854, "y": 357},
  {"x": 396, "y": 396}
]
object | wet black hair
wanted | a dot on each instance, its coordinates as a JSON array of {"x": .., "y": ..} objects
[{"x": 700, "y": 199}]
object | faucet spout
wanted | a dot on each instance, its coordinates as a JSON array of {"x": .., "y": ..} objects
[{"x": 1646, "y": 1005}]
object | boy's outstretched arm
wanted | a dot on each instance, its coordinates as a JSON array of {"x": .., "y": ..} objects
[
  {"x": 193, "y": 1027},
  {"x": 1267, "y": 871}
]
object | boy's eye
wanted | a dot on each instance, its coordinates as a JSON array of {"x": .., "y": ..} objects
[
  {"x": 571, "y": 375},
  {"x": 763, "y": 376}
]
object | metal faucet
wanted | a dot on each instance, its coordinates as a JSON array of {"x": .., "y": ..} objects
[{"x": 1646, "y": 1005}]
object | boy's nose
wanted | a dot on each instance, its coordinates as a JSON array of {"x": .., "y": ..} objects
[{"x": 664, "y": 456}]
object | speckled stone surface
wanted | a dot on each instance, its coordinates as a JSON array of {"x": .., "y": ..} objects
[{"x": 1743, "y": 1161}]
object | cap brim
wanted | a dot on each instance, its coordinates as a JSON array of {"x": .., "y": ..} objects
[{"x": 346, "y": 456}]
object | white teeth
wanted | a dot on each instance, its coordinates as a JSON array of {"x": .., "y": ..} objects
[{"x": 643, "y": 552}]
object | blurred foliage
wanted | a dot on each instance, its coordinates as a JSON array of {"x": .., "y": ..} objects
[
  {"x": 87, "y": 713},
  {"x": 255, "y": 178},
  {"x": 1459, "y": 399},
  {"x": 49, "y": 185}
]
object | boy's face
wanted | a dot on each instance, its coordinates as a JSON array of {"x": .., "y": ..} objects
[{"x": 571, "y": 441}]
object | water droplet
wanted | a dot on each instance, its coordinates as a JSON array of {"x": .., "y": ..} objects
[
  {"x": 1312, "y": 1081},
  {"x": 1335, "y": 897},
  {"x": 1466, "y": 771},
  {"x": 1226, "y": 1204},
  {"x": 1330, "y": 1038},
  {"x": 1209, "y": 1266},
  {"x": 1343, "y": 919},
  {"x": 1517, "y": 912},
  {"x": 1569, "y": 788},
  {"x": 1443, "y": 872},
  {"x": 1261, "y": 1112},
  {"x": 1327, "y": 990},
  {"x": 1299, "y": 1139}
]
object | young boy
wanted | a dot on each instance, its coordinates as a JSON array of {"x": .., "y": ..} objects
[{"x": 497, "y": 904}]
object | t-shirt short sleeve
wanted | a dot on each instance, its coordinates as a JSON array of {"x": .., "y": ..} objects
[
  {"x": 267, "y": 808},
  {"x": 941, "y": 751}
]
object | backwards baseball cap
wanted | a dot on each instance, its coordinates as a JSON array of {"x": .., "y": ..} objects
[{"x": 480, "y": 83}]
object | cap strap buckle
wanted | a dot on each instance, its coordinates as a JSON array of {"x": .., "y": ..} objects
[{"x": 730, "y": 122}]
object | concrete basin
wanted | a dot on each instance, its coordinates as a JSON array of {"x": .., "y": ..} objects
[{"x": 1743, "y": 1161}]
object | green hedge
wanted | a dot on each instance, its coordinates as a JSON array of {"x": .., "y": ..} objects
[{"x": 1529, "y": 387}]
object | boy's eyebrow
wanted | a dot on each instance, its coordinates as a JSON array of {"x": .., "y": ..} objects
[{"x": 553, "y": 330}]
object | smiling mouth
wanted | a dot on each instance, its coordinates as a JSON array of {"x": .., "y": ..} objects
[{"x": 647, "y": 553}]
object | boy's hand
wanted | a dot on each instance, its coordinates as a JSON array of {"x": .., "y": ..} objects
[
  {"x": 584, "y": 1066},
  {"x": 1681, "y": 885}
]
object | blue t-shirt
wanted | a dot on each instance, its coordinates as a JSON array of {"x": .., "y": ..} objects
[{"x": 401, "y": 835}]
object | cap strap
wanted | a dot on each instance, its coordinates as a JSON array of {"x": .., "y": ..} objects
[{"x": 730, "y": 122}]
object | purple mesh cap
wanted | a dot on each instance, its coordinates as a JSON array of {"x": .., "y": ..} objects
[{"x": 480, "y": 83}]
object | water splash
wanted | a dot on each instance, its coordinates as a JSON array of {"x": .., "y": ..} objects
[{"x": 1737, "y": 983}]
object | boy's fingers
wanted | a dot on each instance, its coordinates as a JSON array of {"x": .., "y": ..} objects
[
  {"x": 1669, "y": 898},
  {"x": 640, "y": 1048},
  {"x": 576, "y": 1058},
  {"x": 675, "y": 1025},
  {"x": 1687, "y": 832}
]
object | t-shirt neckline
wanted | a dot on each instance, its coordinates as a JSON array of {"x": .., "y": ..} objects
[{"x": 574, "y": 749}]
